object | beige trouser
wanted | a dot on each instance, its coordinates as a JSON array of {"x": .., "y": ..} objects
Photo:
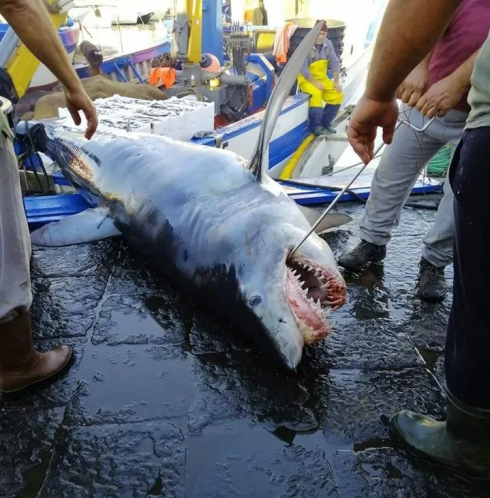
[
  {"x": 398, "y": 170},
  {"x": 15, "y": 244}
]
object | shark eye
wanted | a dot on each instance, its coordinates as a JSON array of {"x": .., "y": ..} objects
[{"x": 254, "y": 301}]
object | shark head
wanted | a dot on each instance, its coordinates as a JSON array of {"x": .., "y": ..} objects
[{"x": 283, "y": 300}]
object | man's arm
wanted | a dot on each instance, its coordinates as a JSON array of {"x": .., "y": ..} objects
[
  {"x": 305, "y": 68},
  {"x": 334, "y": 64},
  {"x": 44, "y": 43},
  {"x": 445, "y": 94},
  {"x": 409, "y": 30}
]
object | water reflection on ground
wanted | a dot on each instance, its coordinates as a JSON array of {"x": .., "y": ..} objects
[{"x": 167, "y": 400}]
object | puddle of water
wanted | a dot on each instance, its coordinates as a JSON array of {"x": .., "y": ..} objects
[{"x": 430, "y": 358}]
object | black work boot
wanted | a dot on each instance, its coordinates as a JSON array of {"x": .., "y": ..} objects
[
  {"x": 431, "y": 282},
  {"x": 361, "y": 255},
  {"x": 461, "y": 443}
]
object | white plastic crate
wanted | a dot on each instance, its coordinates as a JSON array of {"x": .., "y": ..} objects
[{"x": 175, "y": 118}]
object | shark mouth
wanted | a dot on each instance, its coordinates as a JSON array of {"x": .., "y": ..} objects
[{"x": 312, "y": 292}]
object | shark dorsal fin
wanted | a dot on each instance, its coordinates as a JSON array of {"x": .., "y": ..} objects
[{"x": 260, "y": 158}]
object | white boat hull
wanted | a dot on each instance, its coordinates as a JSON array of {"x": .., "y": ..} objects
[{"x": 43, "y": 77}]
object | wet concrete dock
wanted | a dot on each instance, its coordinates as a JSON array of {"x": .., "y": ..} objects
[{"x": 166, "y": 400}]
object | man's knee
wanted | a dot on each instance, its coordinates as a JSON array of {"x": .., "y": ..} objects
[
  {"x": 315, "y": 95},
  {"x": 316, "y": 100},
  {"x": 340, "y": 98},
  {"x": 333, "y": 98}
]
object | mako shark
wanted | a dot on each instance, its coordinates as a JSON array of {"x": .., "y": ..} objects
[{"x": 221, "y": 228}]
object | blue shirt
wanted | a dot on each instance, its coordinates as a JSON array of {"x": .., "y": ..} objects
[{"x": 326, "y": 52}]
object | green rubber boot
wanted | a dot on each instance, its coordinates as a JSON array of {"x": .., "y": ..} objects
[{"x": 461, "y": 443}]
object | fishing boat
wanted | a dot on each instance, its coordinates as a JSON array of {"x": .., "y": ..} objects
[
  {"x": 130, "y": 12},
  {"x": 105, "y": 13},
  {"x": 313, "y": 169},
  {"x": 128, "y": 48},
  {"x": 310, "y": 168},
  {"x": 69, "y": 33},
  {"x": 134, "y": 65},
  {"x": 94, "y": 15},
  {"x": 131, "y": 64}
]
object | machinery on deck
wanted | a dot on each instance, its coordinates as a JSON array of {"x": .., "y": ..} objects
[{"x": 241, "y": 88}]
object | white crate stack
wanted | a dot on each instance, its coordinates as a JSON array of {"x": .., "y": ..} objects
[{"x": 174, "y": 118}]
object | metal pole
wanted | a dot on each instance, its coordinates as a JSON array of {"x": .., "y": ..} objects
[
  {"x": 339, "y": 195},
  {"x": 332, "y": 204},
  {"x": 342, "y": 192},
  {"x": 415, "y": 128}
]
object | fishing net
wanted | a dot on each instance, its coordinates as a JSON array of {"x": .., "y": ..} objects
[{"x": 439, "y": 164}]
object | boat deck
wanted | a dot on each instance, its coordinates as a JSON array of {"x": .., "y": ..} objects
[{"x": 165, "y": 400}]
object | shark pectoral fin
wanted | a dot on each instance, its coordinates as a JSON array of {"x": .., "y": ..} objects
[
  {"x": 330, "y": 221},
  {"x": 88, "y": 226}
]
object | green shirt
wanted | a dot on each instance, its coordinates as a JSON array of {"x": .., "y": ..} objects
[{"x": 479, "y": 96}]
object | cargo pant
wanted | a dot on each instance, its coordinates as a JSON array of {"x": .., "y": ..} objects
[
  {"x": 15, "y": 245},
  {"x": 400, "y": 166}
]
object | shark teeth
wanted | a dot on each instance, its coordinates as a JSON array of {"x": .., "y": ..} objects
[{"x": 317, "y": 304}]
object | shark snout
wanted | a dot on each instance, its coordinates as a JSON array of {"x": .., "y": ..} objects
[{"x": 291, "y": 349}]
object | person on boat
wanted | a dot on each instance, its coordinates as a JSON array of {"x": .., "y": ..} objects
[
  {"x": 257, "y": 14},
  {"x": 20, "y": 364},
  {"x": 313, "y": 80},
  {"x": 438, "y": 86},
  {"x": 408, "y": 32}
]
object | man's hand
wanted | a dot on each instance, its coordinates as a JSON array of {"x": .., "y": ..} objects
[
  {"x": 79, "y": 101},
  {"x": 367, "y": 116},
  {"x": 441, "y": 97},
  {"x": 414, "y": 86},
  {"x": 338, "y": 86}
]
